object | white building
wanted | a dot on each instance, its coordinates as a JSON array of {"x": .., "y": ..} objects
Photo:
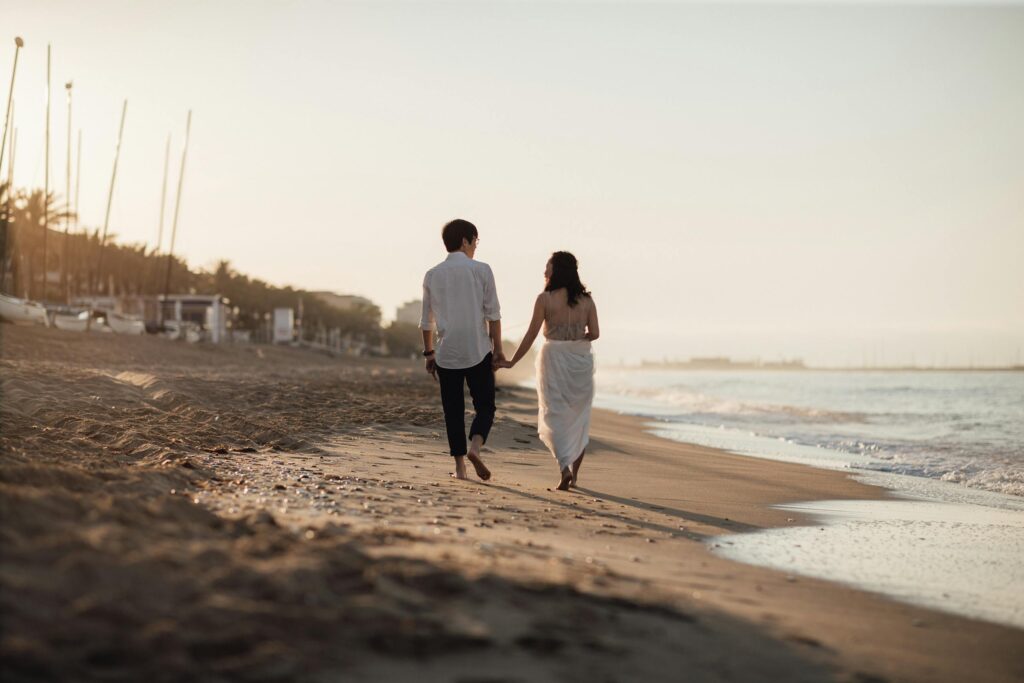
[
  {"x": 207, "y": 312},
  {"x": 409, "y": 312}
]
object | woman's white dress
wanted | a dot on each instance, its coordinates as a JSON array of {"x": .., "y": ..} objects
[{"x": 565, "y": 390}]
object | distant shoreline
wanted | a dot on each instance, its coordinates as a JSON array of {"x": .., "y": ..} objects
[{"x": 768, "y": 367}]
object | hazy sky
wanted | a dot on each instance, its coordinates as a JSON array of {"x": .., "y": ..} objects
[{"x": 838, "y": 182}]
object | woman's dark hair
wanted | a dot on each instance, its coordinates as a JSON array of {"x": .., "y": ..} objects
[
  {"x": 565, "y": 273},
  {"x": 456, "y": 231}
]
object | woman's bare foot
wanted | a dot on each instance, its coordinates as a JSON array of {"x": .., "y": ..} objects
[
  {"x": 566, "y": 480},
  {"x": 576, "y": 467},
  {"x": 479, "y": 466}
]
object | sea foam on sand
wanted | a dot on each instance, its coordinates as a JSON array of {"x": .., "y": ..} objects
[{"x": 961, "y": 558}]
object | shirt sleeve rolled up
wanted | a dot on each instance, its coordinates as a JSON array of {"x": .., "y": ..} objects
[
  {"x": 427, "y": 317},
  {"x": 492, "y": 309}
]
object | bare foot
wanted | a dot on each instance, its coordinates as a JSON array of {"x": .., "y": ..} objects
[
  {"x": 566, "y": 480},
  {"x": 460, "y": 468},
  {"x": 576, "y": 468},
  {"x": 479, "y": 466}
]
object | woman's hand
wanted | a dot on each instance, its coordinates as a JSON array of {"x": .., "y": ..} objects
[{"x": 503, "y": 363}]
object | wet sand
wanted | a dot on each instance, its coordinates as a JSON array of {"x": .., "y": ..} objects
[{"x": 176, "y": 512}]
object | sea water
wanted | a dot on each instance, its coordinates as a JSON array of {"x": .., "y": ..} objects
[{"x": 949, "y": 444}]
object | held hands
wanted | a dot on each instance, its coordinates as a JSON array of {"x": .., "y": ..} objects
[{"x": 501, "y": 362}]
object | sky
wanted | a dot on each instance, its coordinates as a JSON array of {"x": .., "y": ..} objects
[{"x": 838, "y": 182}]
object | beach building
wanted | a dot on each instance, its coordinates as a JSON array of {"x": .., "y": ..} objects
[
  {"x": 208, "y": 312},
  {"x": 409, "y": 312}
]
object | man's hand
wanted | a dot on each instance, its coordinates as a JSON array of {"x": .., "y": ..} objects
[
  {"x": 498, "y": 361},
  {"x": 431, "y": 367}
]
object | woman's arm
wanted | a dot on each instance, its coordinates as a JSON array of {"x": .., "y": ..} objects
[
  {"x": 531, "y": 334},
  {"x": 593, "y": 327}
]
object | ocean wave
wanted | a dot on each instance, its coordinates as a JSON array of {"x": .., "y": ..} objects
[
  {"x": 964, "y": 429},
  {"x": 698, "y": 403}
]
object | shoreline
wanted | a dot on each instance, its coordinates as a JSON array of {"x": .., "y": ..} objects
[
  {"x": 204, "y": 509},
  {"x": 867, "y": 542}
]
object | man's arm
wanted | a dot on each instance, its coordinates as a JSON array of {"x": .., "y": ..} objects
[
  {"x": 492, "y": 313},
  {"x": 494, "y": 327},
  {"x": 428, "y": 352},
  {"x": 427, "y": 327}
]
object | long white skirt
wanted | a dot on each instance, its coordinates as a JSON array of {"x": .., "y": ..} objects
[{"x": 565, "y": 393}]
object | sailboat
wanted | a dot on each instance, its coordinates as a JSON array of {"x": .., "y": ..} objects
[
  {"x": 72, "y": 322},
  {"x": 23, "y": 311},
  {"x": 125, "y": 324}
]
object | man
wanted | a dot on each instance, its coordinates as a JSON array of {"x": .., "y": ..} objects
[{"x": 460, "y": 302}]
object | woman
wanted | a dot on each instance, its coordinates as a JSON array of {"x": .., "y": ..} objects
[{"x": 565, "y": 366}]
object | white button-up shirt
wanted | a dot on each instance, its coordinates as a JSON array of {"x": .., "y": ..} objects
[{"x": 459, "y": 296}]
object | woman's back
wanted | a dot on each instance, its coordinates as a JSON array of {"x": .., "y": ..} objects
[{"x": 563, "y": 322}]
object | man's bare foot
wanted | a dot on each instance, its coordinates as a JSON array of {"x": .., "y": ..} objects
[
  {"x": 476, "y": 442},
  {"x": 460, "y": 468},
  {"x": 576, "y": 468},
  {"x": 479, "y": 466},
  {"x": 566, "y": 480}
]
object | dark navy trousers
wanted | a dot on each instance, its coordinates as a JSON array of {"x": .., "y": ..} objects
[{"x": 480, "y": 379}]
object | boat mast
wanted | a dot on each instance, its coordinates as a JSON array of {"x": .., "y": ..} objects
[
  {"x": 110, "y": 195},
  {"x": 163, "y": 193},
  {"x": 18, "y": 44},
  {"x": 78, "y": 179},
  {"x": 174, "y": 221},
  {"x": 10, "y": 208},
  {"x": 67, "y": 210},
  {"x": 46, "y": 181}
]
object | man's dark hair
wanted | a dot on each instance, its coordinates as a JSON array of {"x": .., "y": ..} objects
[{"x": 455, "y": 232}]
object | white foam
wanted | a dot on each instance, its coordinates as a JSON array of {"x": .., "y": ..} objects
[{"x": 956, "y": 557}]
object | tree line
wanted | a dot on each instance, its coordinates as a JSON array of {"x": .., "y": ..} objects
[{"x": 48, "y": 264}]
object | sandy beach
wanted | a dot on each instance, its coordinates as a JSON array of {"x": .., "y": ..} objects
[{"x": 177, "y": 512}]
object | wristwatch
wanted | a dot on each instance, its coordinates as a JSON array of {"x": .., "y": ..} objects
[{"x": 428, "y": 354}]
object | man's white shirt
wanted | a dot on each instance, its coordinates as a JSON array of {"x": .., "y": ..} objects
[{"x": 459, "y": 297}]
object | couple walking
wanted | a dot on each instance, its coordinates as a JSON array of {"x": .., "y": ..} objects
[{"x": 460, "y": 305}]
